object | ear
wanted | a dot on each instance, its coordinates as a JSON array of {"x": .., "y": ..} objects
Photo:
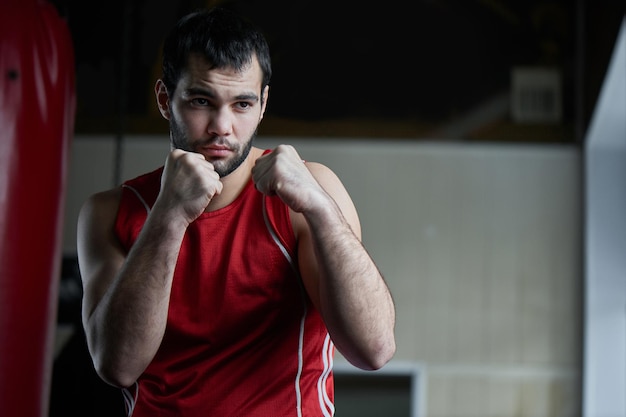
[
  {"x": 266, "y": 95},
  {"x": 163, "y": 100}
]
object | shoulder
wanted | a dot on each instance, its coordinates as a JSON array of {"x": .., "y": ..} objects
[
  {"x": 323, "y": 174},
  {"x": 106, "y": 198},
  {"x": 332, "y": 184},
  {"x": 101, "y": 205},
  {"x": 111, "y": 198},
  {"x": 334, "y": 187},
  {"x": 141, "y": 191}
]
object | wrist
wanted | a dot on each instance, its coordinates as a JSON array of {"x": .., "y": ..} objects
[
  {"x": 326, "y": 215},
  {"x": 168, "y": 220}
]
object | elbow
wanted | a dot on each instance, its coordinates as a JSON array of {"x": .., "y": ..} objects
[
  {"x": 113, "y": 374},
  {"x": 110, "y": 363},
  {"x": 381, "y": 356},
  {"x": 382, "y": 350},
  {"x": 113, "y": 368},
  {"x": 375, "y": 358}
]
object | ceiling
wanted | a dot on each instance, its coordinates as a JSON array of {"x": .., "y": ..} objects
[{"x": 424, "y": 69}]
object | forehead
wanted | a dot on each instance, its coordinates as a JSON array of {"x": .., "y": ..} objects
[{"x": 200, "y": 71}]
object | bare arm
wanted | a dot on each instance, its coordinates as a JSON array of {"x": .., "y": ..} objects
[
  {"x": 126, "y": 296},
  {"x": 340, "y": 276}
]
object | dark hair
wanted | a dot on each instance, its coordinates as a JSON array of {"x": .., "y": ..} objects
[{"x": 224, "y": 39}]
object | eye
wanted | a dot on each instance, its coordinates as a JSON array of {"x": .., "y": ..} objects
[
  {"x": 199, "y": 101},
  {"x": 243, "y": 105}
]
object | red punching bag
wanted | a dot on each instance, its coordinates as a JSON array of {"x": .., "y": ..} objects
[{"x": 37, "y": 105}]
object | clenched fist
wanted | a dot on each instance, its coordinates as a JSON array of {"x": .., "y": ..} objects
[
  {"x": 188, "y": 184},
  {"x": 282, "y": 172}
]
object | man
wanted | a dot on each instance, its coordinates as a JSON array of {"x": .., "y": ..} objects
[{"x": 219, "y": 284}]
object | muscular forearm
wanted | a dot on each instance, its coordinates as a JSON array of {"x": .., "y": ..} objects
[
  {"x": 341, "y": 278},
  {"x": 126, "y": 297},
  {"x": 354, "y": 299},
  {"x": 126, "y": 328}
]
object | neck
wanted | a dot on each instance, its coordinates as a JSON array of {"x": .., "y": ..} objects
[{"x": 235, "y": 182}]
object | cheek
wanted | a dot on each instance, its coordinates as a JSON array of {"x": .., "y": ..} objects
[
  {"x": 248, "y": 124},
  {"x": 193, "y": 122}
]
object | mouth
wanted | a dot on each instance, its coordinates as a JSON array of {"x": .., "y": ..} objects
[{"x": 216, "y": 151}]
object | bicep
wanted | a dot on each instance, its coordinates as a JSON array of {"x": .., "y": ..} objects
[{"x": 100, "y": 255}]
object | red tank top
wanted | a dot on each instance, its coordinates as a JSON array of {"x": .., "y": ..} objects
[{"x": 242, "y": 337}]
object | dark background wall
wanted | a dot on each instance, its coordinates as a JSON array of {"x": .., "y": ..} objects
[{"x": 359, "y": 68}]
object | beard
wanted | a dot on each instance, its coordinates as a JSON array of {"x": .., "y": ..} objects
[{"x": 180, "y": 140}]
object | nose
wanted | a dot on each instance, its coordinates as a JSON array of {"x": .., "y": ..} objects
[{"x": 221, "y": 123}]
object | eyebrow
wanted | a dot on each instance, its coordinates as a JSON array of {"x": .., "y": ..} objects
[{"x": 197, "y": 91}]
